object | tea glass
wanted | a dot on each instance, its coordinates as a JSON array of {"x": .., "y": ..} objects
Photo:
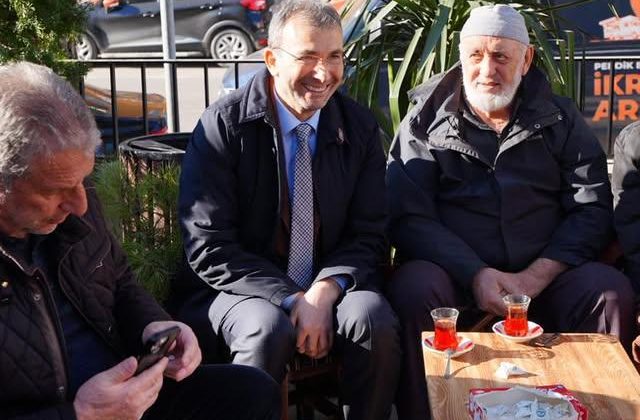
[
  {"x": 444, "y": 321},
  {"x": 516, "y": 323}
]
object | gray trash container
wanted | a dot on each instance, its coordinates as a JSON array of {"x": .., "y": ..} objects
[{"x": 146, "y": 152}]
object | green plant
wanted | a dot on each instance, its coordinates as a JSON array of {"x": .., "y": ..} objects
[
  {"x": 425, "y": 33},
  {"x": 39, "y": 31},
  {"x": 143, "y": 215}
]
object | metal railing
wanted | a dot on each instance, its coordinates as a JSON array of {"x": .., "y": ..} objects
[
  {"x": 608, "y": 84},
  {"x": 144, "y": 65}
]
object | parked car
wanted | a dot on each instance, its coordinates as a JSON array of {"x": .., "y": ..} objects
[
  {"x": 129, "y": 111},
  {"x": 220, "y": 29}
]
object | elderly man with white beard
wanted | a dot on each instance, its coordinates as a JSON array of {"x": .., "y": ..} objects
[{"x": 497, "y": 186}]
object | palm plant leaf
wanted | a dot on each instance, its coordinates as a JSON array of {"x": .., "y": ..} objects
[
  {"x": 437, "y": 33},
  {"x": 398, "y": 80}
]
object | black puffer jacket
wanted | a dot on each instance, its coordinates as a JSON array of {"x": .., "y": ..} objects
[
  {"x": 94, "y": 275},
  {"x": 626, "y": 194}
]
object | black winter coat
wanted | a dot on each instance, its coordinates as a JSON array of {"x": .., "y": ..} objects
[
  {"x": 547, "y": 193},
  {"x": 94, "y": 275},
  {"x": 626, "y": 193}
]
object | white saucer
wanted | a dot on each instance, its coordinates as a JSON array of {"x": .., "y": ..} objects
[
  {"x": 465, "y": 345},
  {"x": 535, "y": 330}
]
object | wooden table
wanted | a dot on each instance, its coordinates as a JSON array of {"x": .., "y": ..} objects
[{"x": 593, "y": 367}]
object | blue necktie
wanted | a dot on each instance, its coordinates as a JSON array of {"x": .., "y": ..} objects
[{"x": 300, "y": 268}]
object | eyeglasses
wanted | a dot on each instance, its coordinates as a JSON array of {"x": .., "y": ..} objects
[{"x": 335, "y": 59}]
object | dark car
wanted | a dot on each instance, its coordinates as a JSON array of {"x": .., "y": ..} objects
[{"x": 220, "y": 29}]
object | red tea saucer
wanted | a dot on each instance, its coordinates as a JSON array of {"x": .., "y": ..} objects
[{"x": 465, "y": 345}]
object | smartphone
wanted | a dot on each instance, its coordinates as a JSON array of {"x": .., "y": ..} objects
[{"x": 156, "y": 347}]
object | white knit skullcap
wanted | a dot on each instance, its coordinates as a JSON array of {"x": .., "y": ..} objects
[{"x": 498, "y": 20}]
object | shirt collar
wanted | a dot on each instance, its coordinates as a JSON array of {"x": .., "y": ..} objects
[{"x": 288, "y": 121}]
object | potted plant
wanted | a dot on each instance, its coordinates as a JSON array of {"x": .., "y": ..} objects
[{"x": 142, "y": 211}]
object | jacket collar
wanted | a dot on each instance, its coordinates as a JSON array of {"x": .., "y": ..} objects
[
  {"x": 72, "y": 230},
  {"x": 257, "y": 102},
  {"x": 69, "y": 232}
]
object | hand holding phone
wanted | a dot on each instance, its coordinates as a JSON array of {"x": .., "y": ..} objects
[{"x": 156, "y": 347}]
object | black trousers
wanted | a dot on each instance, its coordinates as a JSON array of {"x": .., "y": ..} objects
[
  {"x": 260, "y": 334},
  {"x": 219, "y": 392}
]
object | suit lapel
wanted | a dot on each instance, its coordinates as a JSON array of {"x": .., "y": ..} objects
[{"x": 328, "y": 158}]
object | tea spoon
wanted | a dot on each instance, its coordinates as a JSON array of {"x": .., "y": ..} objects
[{"x": 447, "y": 368}]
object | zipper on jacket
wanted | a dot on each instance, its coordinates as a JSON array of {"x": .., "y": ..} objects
[
  {"x": 59, "y": 355},
  {"x": 56, "y": 327}
]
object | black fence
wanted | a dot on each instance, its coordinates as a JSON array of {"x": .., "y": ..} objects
[
  {"x": 110, "y": 123},
  {"x": 604, "y": 84}
]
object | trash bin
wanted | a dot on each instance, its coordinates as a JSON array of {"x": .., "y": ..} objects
[
  {"x": 152, "y": 165},
  {"x": 142, "y": 155}
]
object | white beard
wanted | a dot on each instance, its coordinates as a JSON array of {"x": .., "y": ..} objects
[{"x": 490, "y": 102}]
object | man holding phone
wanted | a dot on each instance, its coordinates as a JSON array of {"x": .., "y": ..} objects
[{"x": 71, "y": 310}]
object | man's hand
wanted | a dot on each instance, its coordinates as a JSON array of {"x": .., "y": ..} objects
[
  {"x": 488, "y": 288},
  {"x": 312, "y": 316},
  {"x": 490, "y": 285},
  {"x": 184, "y": 356},
  {"x": 116, "y": 394},
  {"x": 535, "y": 278}
]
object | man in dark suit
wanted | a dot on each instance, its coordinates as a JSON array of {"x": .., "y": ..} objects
[{"x": 282, "y": 206}]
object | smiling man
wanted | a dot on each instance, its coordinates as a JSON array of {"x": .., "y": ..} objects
[
  {"x": 282, "y": 205},
  {"x": 497, "y": 186}
]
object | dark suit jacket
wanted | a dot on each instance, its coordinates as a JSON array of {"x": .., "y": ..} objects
[{"x": 232, "y": 188}]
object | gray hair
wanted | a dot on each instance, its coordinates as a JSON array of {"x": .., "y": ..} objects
[
  {"x": 316, "y": 12},
  {"x": 40, "y": 114}
]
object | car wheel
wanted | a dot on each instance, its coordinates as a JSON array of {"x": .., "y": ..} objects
[
  {"x": 230, "y": 44},
  {"x": 85, "y": 48}
]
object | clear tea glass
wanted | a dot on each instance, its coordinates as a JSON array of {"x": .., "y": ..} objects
[
  {"x": 516, "y": 323},
  {"x": 444, "y": 322}
]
